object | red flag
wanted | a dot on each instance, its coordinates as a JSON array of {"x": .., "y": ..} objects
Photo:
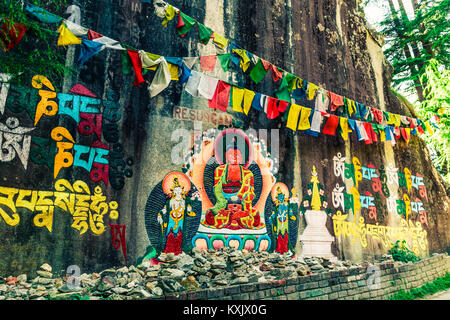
[
  {"x": 276, "y": 74},
  {"x": 221, "y": 96},
  {"x": 406, "y": 135},
  {"x": 335, "y": 101},
  {"x": 11, "y": 34},
  {"x": 378, "y": 115},
  {"x": 266, "y": 64},
  {"x": 137, "y": 66},
  {"x": 94, "y": 35},
  {"x": 272, "y": 110},
  {"x": 208, "y": 63},
  {"x": 331, "y": 125},
  {"x": 397, "y": 133},
  {"x": 420, "y": 129},
  {"x": 372, "y": 136},
  {"x": 282, "y": 105}
]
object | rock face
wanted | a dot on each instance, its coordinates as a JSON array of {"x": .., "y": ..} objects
[{"x": 324, "y": 42}]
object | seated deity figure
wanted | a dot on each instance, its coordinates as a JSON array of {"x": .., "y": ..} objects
[{"x": 234, "y": 193}]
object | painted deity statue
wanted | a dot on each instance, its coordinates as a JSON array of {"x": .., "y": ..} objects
[
  {"x": 234, "y": 193},
  {"x": 172, "y": 216},
  {"x": 279, "y": 219}
]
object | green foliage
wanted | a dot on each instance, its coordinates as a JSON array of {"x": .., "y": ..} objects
[
  {"x": 437, "y": 102},
  {"x": 410, "y": 44},
  {"x": 400, "y": 252},
  {"x": 37, "y": 52},
  {"x": 419, "y": 50},
  {"x": 440, "y": 284}
]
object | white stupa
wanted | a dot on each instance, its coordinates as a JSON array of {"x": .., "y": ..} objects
[{"x": 316, "y": 240}]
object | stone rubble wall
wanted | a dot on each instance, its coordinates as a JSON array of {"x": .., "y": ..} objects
[
  {"x": 206, "y": 276},
  {"x": 350, "y": 284}
]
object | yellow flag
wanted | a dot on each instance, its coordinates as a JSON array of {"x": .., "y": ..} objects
[
  {"x": 429, "y": 128},
  {"x": 344, "y": 127},
  {"x": 169, "y": 15},
  {"x": 220, "y": 41},
  {"x": 382, "y": 135},
  {"x": 312, "y": 88},
  {"x": 66, "y": 37},
  {"x": 408, "y": 134},
  {"x": 292, "y": 120},
  {"x": 236, "y": 99},
  {"x": 304, "y": 119},
  {"x": 245, "y": 60},
  {"x": 351, "y": 107},
  {"x": 397, "y": 119},
  {"x": 173, "y": 68},
  {"x": 152, "y": 57},
  {"x": 248, "y": 99}
]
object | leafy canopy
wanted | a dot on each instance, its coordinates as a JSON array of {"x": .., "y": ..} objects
[{"x": 37, "y": 52}]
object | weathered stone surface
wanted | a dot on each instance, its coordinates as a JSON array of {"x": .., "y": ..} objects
[
  {"x": 239, "y": 280},
  {"x": 172, "y": 273},
  {"x": 46, "y": 267},
  {"x": 185, "y": 263},
  {"x": 45, "y": 274}
]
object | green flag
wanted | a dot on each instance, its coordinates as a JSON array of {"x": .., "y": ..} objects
[
  {"x": 185, "y": 23},
  {"x": 204, "y": 33},
  {"x": 258, "y": 72},
  {"x": 283, "y": 92},
  {"x": 224, "y": 60}
]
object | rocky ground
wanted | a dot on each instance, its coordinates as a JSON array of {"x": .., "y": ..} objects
[{"x": 201, "y": 269}]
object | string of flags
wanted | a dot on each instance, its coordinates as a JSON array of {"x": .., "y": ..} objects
[{"x": 370, "y": 124}]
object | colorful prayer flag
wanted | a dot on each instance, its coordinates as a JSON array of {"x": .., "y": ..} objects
[
  {"x": 66, "y": 37},
  {"x": 88, "y": 49},
  {"x": 204, "y": 33},
  {"x": 294, "y": 112},
  {"x": 185, "y": 24},
  {"x": 258, "y": 72},
  {"x": 304, "y": 123},
  {"x": 208, "y": 63},
  {"x": 168, "y": 15},
  {"x": 331, "y": 125},
  {"x": 221, "y": 97},
  {"x": 137, "y": 66},
  {"x": 10, "y": 34}
]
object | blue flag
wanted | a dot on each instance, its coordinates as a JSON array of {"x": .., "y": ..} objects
[
  {"x": 88, "y": 49},
  {"x": 41, "y": 14}
]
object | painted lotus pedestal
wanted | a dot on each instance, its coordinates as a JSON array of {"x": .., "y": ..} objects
[{"x": 316, "y": 240}]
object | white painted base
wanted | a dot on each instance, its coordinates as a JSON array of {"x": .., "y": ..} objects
[{"x": 316, "y": 240}]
